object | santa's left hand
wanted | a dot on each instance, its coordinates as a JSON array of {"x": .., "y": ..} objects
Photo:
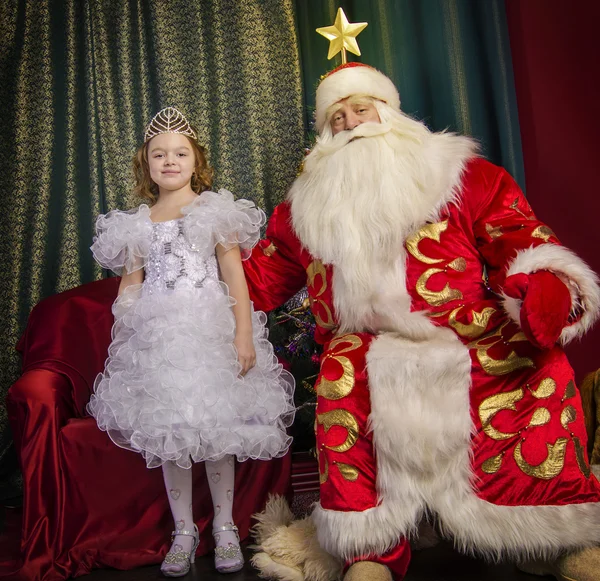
[{"x": 546, "y": 305}]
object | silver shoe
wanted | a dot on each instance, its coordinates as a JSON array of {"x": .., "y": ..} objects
[
  {"x": 177, "y": 563},
  {"x": 228, "y": 559}
]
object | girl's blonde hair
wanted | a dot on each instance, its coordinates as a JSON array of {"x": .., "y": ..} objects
[{"x": 146, "y": 188}]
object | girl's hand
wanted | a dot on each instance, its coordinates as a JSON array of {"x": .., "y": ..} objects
[{"x": 246, "y": 352}]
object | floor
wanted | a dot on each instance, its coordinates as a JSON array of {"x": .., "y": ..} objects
[{"x": 440, "y": 563}]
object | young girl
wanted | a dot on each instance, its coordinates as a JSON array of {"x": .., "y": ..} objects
[{"x": 190, "y": 375}]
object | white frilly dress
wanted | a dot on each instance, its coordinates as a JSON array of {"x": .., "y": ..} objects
[{"x": 171, "y": 388}]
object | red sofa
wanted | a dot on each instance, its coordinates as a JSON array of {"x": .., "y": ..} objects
[{"x": 86, "y": 502}]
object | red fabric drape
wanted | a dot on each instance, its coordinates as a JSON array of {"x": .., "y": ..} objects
[{"x": 88, "y": 503}]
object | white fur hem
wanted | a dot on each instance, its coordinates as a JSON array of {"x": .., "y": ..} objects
[
  {"x": 474, "y": 525},
  {"x": 421, "y": 428},
  {"x": 580, "y": 279}
]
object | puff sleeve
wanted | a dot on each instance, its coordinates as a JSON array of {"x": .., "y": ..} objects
[
  {"x": 122, "y": 240},
  {"x": 216, "y": 218}
]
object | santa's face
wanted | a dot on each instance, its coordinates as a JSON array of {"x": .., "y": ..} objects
[{"x": 351, "y": 112}]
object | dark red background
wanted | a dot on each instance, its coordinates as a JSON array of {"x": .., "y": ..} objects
[{"x": 556, "y": 62}]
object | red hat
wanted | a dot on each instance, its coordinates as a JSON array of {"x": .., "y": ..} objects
[{"x": 353, "y": 79}]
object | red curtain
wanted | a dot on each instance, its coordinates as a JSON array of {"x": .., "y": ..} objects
[{"x": 556, "y": 61}]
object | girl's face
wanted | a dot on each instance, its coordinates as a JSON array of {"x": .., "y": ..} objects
[{"x": 171, "y": 161}]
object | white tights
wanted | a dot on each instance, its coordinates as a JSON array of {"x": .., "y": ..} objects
[{"x": 178, "y": 484}]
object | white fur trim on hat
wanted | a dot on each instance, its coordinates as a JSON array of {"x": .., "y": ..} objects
[{"x": 353, "y": 79}]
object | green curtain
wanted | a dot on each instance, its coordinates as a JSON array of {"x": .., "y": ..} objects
[
  {"x": 450, "y": 60},
  {"x": 79, "y": 80}
]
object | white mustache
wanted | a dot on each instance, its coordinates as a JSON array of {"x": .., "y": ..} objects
[{"x": 342, "y": 138}]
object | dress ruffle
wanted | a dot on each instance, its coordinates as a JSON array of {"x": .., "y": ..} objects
[
  {"x": 122, "y": 239},
  {"x": 171, "y": 389},
  {"x": 216, "y": 218}
]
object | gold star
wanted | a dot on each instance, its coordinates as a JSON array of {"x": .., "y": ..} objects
[{"x": 342, "y": 35}]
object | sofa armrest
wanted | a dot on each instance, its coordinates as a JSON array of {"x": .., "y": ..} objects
[
  {"x": 70, "y": 333},
  {"x": 39, "y": 404}
]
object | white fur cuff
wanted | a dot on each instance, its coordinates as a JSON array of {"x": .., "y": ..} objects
[{"x": 580, "y": 279}]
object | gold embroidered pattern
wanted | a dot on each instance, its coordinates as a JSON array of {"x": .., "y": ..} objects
[
  {"x": 550, "y": 467},
  {"x": 580, "y": 455},
  {"x": 543, "y": 232},
  {"x": 568, "y": 416},
  {"x": 491, "y": 406},
  {"x": 354, "y": 340},
  {"x": 502, "y": 366},
  {"x": 478, "y": 325},
  {"x": 570, "y": 391},
  {"x": 431, "y": 231},
  {"x": 458, "y": 264},
  {"x": 492, "y": 465},
  {"x": 270, "y": 250},
  {"x": 499, "y": 367},
  {"x": 347, "y": 471},
  {"x": 447, "y": 294},
  {"x": 436, "y": 298},
  {"x": 328, "y": 324},
  {"x": 493, "y": 232},
  {"x": 338, "y": 388},
  {"x": 343, "y": 418},
  {"x": 541, "y": 416},
  {"x": 335, "y": 390},
  {"x": 437, "y": 314},
  {"x": 323, "y": 476},
  {"x": 545, "y": 389},
  {"x": 315, "y": 268},
  {"x": 341, "y": 387},
  {"x": 515, "y": 206}
]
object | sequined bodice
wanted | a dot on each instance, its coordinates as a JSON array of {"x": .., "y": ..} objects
[{"x": 172, "y": 264}]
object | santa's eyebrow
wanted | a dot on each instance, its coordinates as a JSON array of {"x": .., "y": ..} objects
[{"x": 353, "y": 101}]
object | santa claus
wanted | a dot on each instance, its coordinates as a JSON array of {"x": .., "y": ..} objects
[{"x": 442, "y": 303}]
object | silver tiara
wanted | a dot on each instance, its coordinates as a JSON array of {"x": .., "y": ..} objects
[{"x": 169, "y": 120}]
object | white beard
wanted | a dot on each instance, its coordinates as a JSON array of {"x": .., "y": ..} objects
[{"x": 361, "y": 194}]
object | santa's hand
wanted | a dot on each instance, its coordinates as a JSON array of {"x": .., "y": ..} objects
[{"x": 545, "y": 308}]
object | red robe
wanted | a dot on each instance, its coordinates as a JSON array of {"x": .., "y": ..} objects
[{"x": 470, "y": 422}]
